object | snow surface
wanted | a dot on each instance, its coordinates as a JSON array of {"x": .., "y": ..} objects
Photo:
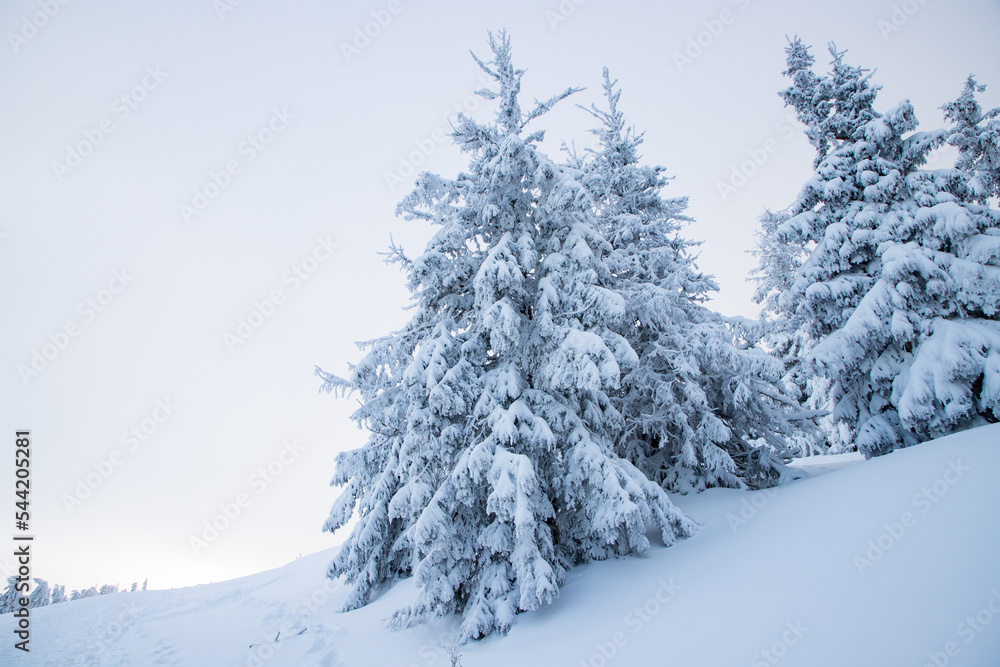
[
  {"x": 820, "y": 465},
  {"x": 774, "y": 570}
]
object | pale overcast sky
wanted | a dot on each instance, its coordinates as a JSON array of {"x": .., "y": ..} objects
[{"x": 146, "y": 418}]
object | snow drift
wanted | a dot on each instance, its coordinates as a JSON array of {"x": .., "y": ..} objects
[{"x": 891, "y": 561}]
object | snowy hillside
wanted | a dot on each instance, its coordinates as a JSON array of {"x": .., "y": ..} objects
[{"x": 888, "y": 562}]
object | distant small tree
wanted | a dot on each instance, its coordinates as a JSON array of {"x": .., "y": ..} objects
[
  {"x": 59, "y": 594},
  {"x": 41, "y": 596},
  {"x": 8, "y": 599}
]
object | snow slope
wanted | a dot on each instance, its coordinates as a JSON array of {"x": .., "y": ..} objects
[{"x": 894, "y": 561}]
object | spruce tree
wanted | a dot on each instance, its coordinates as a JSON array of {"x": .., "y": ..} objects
[
  {"x": 491, "y": 465},
  {"x": 9, "y": 597},
  {"x": 806, "y": 96},
  {"x": 699, "y": 411},
  {"x": 59, "y": 594},
  {"x": 976, "y": 135},
  {"x": 831, "y": 229},
  {"x": 920, "y": 355},
  {"x": 84, "y": 593},
  {"x": 898, "y": 295},
  {"x": 41, "y": 595},
  {"x": 780, "y": 258},
  {"x": 782, "y": 329}
]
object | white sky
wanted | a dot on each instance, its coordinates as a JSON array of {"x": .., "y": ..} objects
[{"x": 162, "y": 336}]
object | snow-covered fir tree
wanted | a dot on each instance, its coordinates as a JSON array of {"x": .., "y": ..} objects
[
  {"x": 976, "y": 135},
  {"x": 835, "y": 264},
  {"x": 811, "y": 105},
  {"x": 41, "y": 595},
  {"x": 899, "y": 291},
  {"x": 779, "y": 261},
  {"x": 59, "y": 594},
  {"x": 9, "y": 597},
  {"x": 83, "y": 593},
  {"x": 830, "y": 108},
  {"x": 829, "y": 208},
  {"x": 699, "y": 412},
  {"x": 782, "y": 330},
  {"x": 491, "y": 465}
]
